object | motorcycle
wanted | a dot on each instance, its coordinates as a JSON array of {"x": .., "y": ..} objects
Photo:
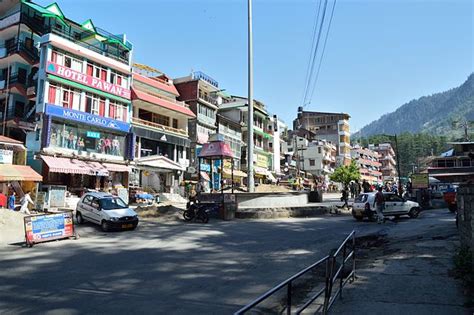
[{"x": 196, "y": 211}]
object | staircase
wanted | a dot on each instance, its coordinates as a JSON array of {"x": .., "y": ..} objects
[{"x": 17, "y": 188}]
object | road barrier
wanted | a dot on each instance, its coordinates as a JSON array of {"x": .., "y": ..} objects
[{"x": 340, "y": 267}]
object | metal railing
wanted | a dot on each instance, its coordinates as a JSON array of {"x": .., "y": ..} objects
[
  {"x": 332, "y": 275},
  {"x": 140, "y": 121}
]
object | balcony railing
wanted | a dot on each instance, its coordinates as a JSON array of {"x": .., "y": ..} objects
[
  {"x": 161, "y": 127},
  {"x": 208, "y": 99},
  {"x": 19, "y": 46}
]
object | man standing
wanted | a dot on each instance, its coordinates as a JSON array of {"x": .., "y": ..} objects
[
  {"x": 345, "y": 196},
  {"x": 379, "y": 204},
  {"x": 24, "y": 203},
  {"x": 11, "y": 201}
]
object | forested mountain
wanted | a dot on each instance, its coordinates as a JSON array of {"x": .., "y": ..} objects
[{"x": 434, "y": 114}]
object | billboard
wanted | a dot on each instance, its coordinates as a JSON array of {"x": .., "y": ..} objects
[
  {"x": 47, "y": 227},
  {"x": 419, "y": 181}
]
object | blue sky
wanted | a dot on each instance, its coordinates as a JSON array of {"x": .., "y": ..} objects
[{"x": 380, "y": 54}]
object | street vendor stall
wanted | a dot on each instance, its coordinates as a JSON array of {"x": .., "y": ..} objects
[{"x": 218, "y": 150}]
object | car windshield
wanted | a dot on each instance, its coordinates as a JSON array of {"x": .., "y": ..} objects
[
  {"x": 361, "y": 198},
  {"x": 112, "y": 203}
]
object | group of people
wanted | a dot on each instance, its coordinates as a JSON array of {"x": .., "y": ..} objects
[{"x": 24, "y": 202}]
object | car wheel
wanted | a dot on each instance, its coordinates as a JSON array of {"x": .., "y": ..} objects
[
  {"x": 79, "y": 218},
  {"x": 414, "y": 212},
  {"x": 104, "y": 225},
  {"x": 453, "y": 208}
]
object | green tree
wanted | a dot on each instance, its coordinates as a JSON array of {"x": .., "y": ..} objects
[{"x": 345, "y": 174}]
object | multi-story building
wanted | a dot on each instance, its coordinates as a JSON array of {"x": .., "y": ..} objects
[
  {"x": 236, "y": 109},
  {"x": 160, "y": 126},
  {"x": 21, "y": 26},
  {"x": 83, "y": 106},
  {"x": 201, "y": 93},
  {"x": 280, "y": 132},
  {"x": 455, "y": 165},
  {"x": 232, "y": 132},
  {"x": 387, "y": 159},
  {"x": 332, "y": 127},
  {"x": 368, "y": 162}
]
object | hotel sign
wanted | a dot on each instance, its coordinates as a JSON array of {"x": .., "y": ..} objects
[
  {"x": 85, "y": 79},
  {"x": 86, "y": 118}
]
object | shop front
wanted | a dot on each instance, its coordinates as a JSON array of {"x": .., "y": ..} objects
[{"x": 85, "y": 151}]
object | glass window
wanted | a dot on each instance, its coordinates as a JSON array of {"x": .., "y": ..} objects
[{"x": 86, "y": 139}]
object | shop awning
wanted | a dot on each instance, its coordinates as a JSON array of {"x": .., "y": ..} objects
[
  {"x": 237, "y": 173},
  {"x": 111, "y": 167},
  {"x": 74, "y": 166},
  {"x": 9, "y": 172}
]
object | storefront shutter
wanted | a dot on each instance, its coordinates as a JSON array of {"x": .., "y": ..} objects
[{"x": 102, "y": 108}]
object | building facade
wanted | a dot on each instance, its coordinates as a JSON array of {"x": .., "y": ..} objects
[
  {"x": 368, "y": 163},
  {"x": 21, "y": 26},
  {"x": 387, "y": 159},
  {"x": 83, "y": 104},
  {"x": 332, "y": 127},
  {"x": 160, "y": 127}
]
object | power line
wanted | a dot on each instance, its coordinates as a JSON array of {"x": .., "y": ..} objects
[
  {"x": 308, "y": 83},
  {"x": 311, "y": 51},
  {"x": 322, "y": 53}
]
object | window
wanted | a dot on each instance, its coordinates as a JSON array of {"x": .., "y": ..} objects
[
  {"x": 118, "y": 79},
  {"x": 64, "y": 96},
  {"x": 66, "y": 61},
  {"x": 175, "y": 123},
  {"x": 95, "y": 105},
  {"x": 319, "y": 150},
  {"x": 312, "y": 162},
  {"x": 96, "y": 71},
  {"x": 160, "y": 119},
  {"x": 118, "y": 111}
]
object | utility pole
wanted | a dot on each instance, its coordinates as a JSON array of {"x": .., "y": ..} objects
[
  {"x": 250, "y": 178},
  {"x": 398, "y": 167}
]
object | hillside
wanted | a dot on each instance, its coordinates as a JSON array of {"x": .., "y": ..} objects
[{"x": 433, "y": 114}]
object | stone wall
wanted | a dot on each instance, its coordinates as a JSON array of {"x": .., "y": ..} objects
[{"x": 465, "y": 201}]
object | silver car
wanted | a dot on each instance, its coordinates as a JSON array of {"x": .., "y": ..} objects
[{"x": 395, "y": 205}]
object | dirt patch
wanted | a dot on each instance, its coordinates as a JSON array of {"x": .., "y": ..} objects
[{"x": 165, "y": 211}]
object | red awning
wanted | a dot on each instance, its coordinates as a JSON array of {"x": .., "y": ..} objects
[
  {"x": 117, "y": 167},
  {"x": 136, "y": 94},
  {"x": 74, "y": 166},
  {"x": 156, "y": 83},
  {"x": 9, "y": 172},
  {"x": 216, "y": 149}
]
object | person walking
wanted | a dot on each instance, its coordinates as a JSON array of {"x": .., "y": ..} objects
[
  {"x": 24, "y": 203},
  {"x": 11, "y": 201},
  {"x": 345, "y": 196},
  {"x": 353, "y": 189},
  {"x": 365, "y": 186},
  {"x": 379, "y": 204}
]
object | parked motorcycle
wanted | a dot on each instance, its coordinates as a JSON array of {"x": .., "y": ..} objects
[{"x": 196, "y": 211}]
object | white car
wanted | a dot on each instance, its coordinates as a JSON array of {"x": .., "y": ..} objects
[
  {"x": 395, "y": 205},
  {"x": 109, "y": 211}
]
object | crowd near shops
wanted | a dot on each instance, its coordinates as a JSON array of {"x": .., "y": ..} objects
[{"x": 78, "y": 114}]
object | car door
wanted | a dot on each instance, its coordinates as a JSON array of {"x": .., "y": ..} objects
[
  {"x": 95, "y": 209},
  {"x": 390, "y": 204},
  {"x": 86, "y": 209},
  {"x": 397, "y": 203}
]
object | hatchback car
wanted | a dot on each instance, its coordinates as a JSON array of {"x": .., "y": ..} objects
[
  {"x": 395, "y": 205},
  {"x": 109, "y": 211}
]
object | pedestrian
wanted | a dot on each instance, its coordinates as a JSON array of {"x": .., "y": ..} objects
[
  {"x": 365, "y": 186},
  {"x": 345, "y": 196},
  {"x": 353, "y": 189},
  {"x": 24, "y": 203},
  {"x": 11, "y": 201},
  {"x": 379, "y": 204}
]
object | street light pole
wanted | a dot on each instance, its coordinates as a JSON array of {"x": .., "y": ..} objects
[{"x": 250, "y": 178}]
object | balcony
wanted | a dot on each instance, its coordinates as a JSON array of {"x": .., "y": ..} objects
[
  {"x": 160, "y": 127},
  {"x": 10, "y": 20},
  {"x": 31, "y": 52},
  {"x": 208, "y": 99}
]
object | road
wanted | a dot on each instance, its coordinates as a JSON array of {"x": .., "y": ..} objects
[{"x": 173, "y": 267}]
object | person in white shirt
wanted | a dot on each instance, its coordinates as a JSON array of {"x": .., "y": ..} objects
[{"x": 24, "y": 203}]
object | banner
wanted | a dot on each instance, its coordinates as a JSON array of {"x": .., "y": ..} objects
[{"x": 47, "y": 227}]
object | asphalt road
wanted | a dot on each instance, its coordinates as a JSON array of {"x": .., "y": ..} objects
[{"x": 171, "y": 267}]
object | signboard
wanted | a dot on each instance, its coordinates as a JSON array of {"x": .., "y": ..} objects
[
  {"x": 56, "y": 196},
  {"x": 47, "y": 227},
  {"x": 86, "y": 118},
  {"x": 88, "y": 80},
  {"x": 93, "y": 134},
  {"x": 123, "y": 194},
  {"x": 262, "y": 160},
  {"x": 6, "y": 156},
  {"x": 419, "y": 181},
  {"x": 40, "y": 200}
]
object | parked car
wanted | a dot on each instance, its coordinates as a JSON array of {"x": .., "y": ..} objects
[
  {"x": 110, "y": 212},
  {"x": 395, "y": 205}
]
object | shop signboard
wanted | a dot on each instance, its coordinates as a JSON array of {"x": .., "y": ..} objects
[
  {"x": 419, "y": 181},
  {"x": 6, "y": 156},
  {"x": 93, "y": 134},
  {"x": 47, "y": 227},
  {"x": 56, "y": 196},
  {"x": 87, "y": 80},
  {"x": 262, "y": 160},
  {"x": 86, "y": 118}
]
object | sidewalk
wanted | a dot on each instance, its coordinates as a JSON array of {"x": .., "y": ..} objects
[{"x": 408, "y": 272}]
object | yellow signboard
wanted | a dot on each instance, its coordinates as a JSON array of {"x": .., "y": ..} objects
[
  {"x": 262, "y": 160},
  {"x": 419, "y": 181}
]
